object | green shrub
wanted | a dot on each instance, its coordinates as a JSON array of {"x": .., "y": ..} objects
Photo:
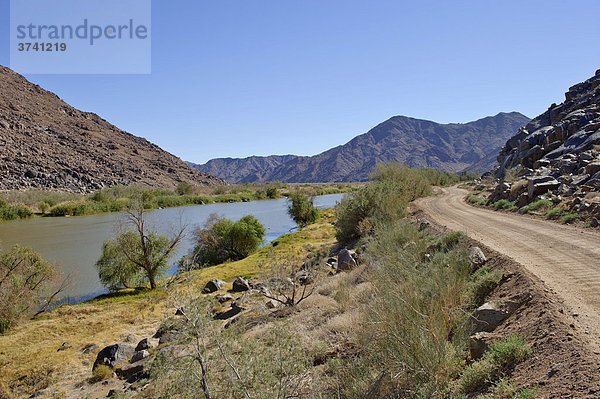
[
  {"x": 102, "y": 373},
  {"x": 509, "y": 351},
  {"x": 43, "y": 207},
  {"x": 221, "y": 240},
  {"x": 537, "y": 205},
  {"x": 477, "y": 375},
  {"x": 184, "y": 188},
  {"x": 302, "y": 210},
  {"x": 554, "y": 212},
  {"x": 383, "y": 200},
  {"x": 502, "y": 355},
  {"x": 15, "y": 211},
  {"x": 475, "y": 199},
  {"x": 24, "y": 277},
  {"x": 504, "y": 204},
  {"x": 483, "y": 282},
  {"x": 569, "y": 218},
  {"x": 415, "y": 322},
  {"x": 272, "y": 192}
]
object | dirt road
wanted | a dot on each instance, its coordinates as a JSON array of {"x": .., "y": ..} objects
[{"x": 565, "y": 258}]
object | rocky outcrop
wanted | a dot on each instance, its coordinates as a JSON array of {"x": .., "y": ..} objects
[
  {"x": 557, "y": 155},
  {"x": 47, "y": 144},
  {"x": 451, "y": 147},
  {"x": 561, "y": 146}
]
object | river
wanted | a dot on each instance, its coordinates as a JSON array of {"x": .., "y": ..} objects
[{"x": 76, "y": 242}]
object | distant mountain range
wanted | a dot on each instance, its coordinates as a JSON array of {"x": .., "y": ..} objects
[
  {"x": 451, "y": 147},
  {"x": 45, "y": 143}
]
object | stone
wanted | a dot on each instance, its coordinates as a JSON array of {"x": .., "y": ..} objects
[
  {"x": 64, "y": 346},
  {"x": 345, "y": 260},
  {"x": 89, "y": 348},
  {"x": 271, "y": 304},
  {"x": 212, "y": 286},
  {"x": 240, "y": 284},
  {"x": 132, "y": 372},
  {"x": 113, "y": 355},
  {"x": 233, "y": 311},
  {"x": 592, "y": 168},
  {"x": 168, "y": 337},
  {"x": 305, "y": 278},
  {"x": 594, "y": 222},
  {"x": 541, "y": 185},
  {"x": 139, "y": 355},
  {"x": 222, "y": 298},
  {"x": 476, "y": 256},
  {"x": 478, "y": 345},
  {"x": 579, "y": 180},
  {"x": 487, "y": 317},
  {"x": 130, "y": 338},
  {"x": 143, "y": 344}
]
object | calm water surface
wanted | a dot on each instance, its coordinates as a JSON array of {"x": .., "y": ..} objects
[{"x": 76, "y": 242}]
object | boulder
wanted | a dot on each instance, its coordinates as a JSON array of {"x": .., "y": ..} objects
[
  {"x": 345, "y": 260},
  {"x": 240, "y": 284},
  {"x": 594, "y": 222},
  {"x": 271, "y": 304},
  {"x": 139, "y": 355},
  {"x": 132, "y": 372},
  {"x": 476, "y": 256},
  {"x": 89, "y": 348},
  {"x": 592, "y": 168},
  {"x": 168, "y": 337},
  {"x": 143, "y": 344},
  {"x": 540, "y": 185},
  {"x": 305, "y": 278},
  {"x": 113, "y": 355},
  {"x": 234, "y": 310},
  {"x": 222, "y": 298},
  {"x": 487, "y": 317},
  {"x": 212, "y": 286},
  {"x": 478, "y": 345}
]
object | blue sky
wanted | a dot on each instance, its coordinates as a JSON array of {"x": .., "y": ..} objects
[{"x": 259, "y": 77}]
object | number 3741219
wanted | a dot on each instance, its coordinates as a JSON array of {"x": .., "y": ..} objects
[{"x": 42, "y": 46}]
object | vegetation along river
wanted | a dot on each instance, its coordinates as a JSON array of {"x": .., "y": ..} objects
[{"x": 76, "y": 242}]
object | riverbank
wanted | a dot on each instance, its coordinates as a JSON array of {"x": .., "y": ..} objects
[
  {"x": 29, "y": 203},
  {"x": 48, "y": 351}
]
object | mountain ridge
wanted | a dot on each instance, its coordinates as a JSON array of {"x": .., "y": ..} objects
[
  {"x": 416, "y": 142},
  {"x": 45, "y": 143}
]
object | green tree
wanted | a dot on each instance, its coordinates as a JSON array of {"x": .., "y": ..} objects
[
  {"x": 184, "y": 188},
  {"x": 24, "y": 279},
  {"x": 44, "y": 207},
  {"x": 221, "y": 240},
  {"x": 136, "y": 254},
  {"x": 301, "y": 208}
]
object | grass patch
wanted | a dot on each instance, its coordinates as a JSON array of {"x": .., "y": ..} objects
[
  {"x": 101, "y": 373},
  {"x": 538, "y": 205},
  {"x": 477, "y": 200},
  {"x": 504, "y": 204},
  {"x": 569, "y": 218},
  {"x": 554, "y": 212},
  {"x": 483, "y": 282},
  {"x": 502, "y": 355}
]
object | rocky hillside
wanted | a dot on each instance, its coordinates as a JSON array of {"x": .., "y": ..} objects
[
  {"x": 45, "y": 143},
  {"x": 559, "y": 151},
  {"x": 418, "y": 143}
]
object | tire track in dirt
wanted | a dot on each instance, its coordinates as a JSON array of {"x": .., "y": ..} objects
[{"x": 565, "y": 258}]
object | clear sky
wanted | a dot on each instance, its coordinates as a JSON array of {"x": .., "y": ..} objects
[{"x": 260, "y": 77}]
